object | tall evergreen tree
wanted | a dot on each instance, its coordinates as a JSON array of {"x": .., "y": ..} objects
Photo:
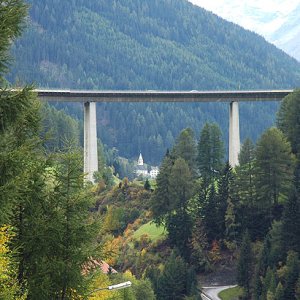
[
  {"x": 210, "y": 152},
  {"x": 291, "y": 223},
  {"x": 245, "y": 174},
  {"x": 209, "y": 212},
  {"x": 185, "y": 147},
  {"x": 223, "y": 197},
  {"x": 161, "y": 201},
  {"x": 288, "y": 120},
  {"x": 178, "y": 220},
  {"x": 12, "y": 17},
  {"x": 274, "y": 168},
  {"x": 172, "y": 283},
  {"x": 244, "y": 267},
  {"x": 291, "y": 276}
]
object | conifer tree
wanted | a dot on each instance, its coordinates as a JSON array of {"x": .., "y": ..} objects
[
  {"x": 245, "y": 174},
  {"x": 223, "y": 197},
  {"x": 12, "y": 17},
  {"x": 147, "y": 185},
  {"x": 172, "y": 283},
  {"x": 261, "y": 268},
  {"x": 209, "y": 212},
  {"x": 288, "y": 120},
  {"x": 297, "y": 289},
  {"x": 291, "y": 223},
  {"x": 210, "y": 152},
  {"x": 274, "y": 167},
  {"x": 279, "y": 294},
  {"x": 161, "y": 201},
  {"x": 292, "y": 274},
  {"x": 185, "y": 147},
  {"x": 244, "y": 267}
]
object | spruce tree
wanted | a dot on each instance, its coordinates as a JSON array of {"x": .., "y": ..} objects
[
  {"x": 210, "y": 152},
  {"x": 244, "y": 266},
  {"x": 274, "y": 168},
  {"x": 292, "y": 274},
  {"x": 185, "y": 147},
  {"x": 291, "y": 223},
  {"x": 161, "y": 201},
  {"x": 172, "y": 283},
  {"x": 223, "y": 197},
  {"x": 288, "y": 120},
  {"x": 147, "y": 185},
  {"x": 279, "y": 294},
  {"x": 245, "y": 174}
]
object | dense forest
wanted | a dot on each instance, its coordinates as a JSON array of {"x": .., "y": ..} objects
[
  {"x": 163, "y": 235},
  {"x": 166, "y": 45}
]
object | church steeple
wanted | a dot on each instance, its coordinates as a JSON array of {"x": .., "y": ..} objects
[{"x": 140, "y": 160}]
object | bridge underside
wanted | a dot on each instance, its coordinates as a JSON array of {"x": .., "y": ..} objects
[{"x": 89, "y": 98}]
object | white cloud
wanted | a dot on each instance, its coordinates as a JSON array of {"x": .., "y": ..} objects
[{"x": 264, "y": 17}]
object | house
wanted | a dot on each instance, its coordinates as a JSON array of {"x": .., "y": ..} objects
[{"x": 154, "y": 172}]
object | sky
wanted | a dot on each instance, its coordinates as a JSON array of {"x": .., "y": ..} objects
[{"x": 261, "y": 16}]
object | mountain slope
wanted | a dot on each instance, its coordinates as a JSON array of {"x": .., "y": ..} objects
[{"x": 157, "y": 44}]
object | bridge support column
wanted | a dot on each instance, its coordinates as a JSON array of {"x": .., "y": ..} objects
[
  {"x": 234, "y": 134},
  {"x": 90, "y": 140}
]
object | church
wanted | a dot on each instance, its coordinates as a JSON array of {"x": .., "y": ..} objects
[{"x": 142, "y": 169}]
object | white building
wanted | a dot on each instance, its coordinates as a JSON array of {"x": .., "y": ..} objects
[
  {"x": 142, "y": 169},
  {"x": 154, "y": 172}
]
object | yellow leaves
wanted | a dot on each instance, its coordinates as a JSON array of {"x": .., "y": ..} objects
[
  {"x": 111, "y": 249},
  {"x": 4, "y": 251},
  {"x": 8, "y": 281},
  {"x": 100, "y": 281}
]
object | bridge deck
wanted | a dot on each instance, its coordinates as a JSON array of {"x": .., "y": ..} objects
[{"x": 161, "y": 96}]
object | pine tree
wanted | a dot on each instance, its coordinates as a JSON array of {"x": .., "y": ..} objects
[
  {"x": 147, "y": 185},
  {"x": 199, "y": 246},
  {"x": 245, "y": 174},
  {"x": 180, "y": 184},
  {"x": 209, "y": 212},
  {"x": 261, "y": 268},
  {"x": 244, "y": 267},
  {"x": 55, "y": 230},
  {"x": 292, "y": 274},
  {"x": 185, "y": 147},
  {"x": 291, "y": 223},
  {"x": 223, "y": 197},
  {"x": 210, "y": 152},
  {"x": 179, "y": 226},
  {"x": 161, "y": 201},
  {"x": 288, "y": 120},
  {"x": 172, "y": 283},
  {"x": 274, "y": 167},
  {"x": 279, "y": 294},
  {"x": 297, "y": 289},
  {"x": 12, "y": 18}
]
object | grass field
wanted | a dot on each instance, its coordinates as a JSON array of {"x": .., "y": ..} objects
[
  {"x": 231, "y": 294},
  {"x": 151, "y": 230}
]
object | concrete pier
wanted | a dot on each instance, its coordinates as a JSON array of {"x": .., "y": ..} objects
[
  {"x": 90, "y": 140},
  {"x": 234, "y": 134}
]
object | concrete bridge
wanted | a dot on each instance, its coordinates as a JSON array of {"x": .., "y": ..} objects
[{"x": 89, "y": 99}]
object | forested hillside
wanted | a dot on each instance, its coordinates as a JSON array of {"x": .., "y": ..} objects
[{"x": 157, "y": 44}]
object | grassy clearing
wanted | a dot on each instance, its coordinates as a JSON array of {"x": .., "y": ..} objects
[
  {"x": 231, "y": 294},
  {"x": 151, "y": 230}
]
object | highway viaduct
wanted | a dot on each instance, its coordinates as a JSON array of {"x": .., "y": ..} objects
[{"x": 89, "y": 99}]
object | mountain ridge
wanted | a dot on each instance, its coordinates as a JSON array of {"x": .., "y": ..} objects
[{"x": 163, "y": 44}]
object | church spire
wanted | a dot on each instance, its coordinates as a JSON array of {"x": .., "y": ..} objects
[{"x": 140, "y": 160}]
